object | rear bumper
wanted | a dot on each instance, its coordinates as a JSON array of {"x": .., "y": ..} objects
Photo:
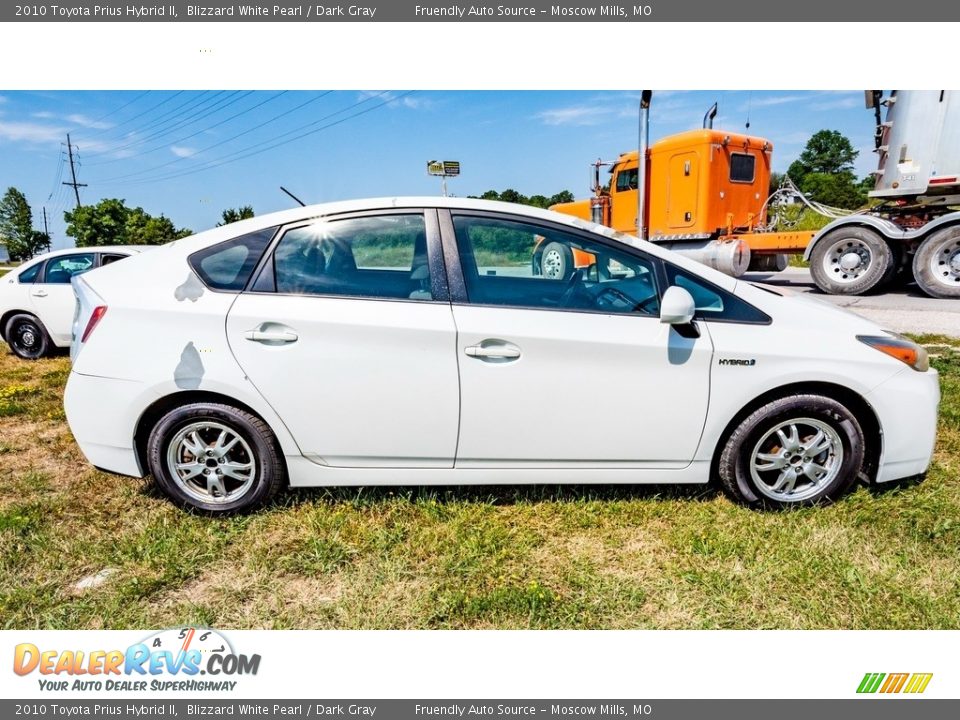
[
  {"x": 906, "y": 406},
  {"x": 100, "y": 418}
]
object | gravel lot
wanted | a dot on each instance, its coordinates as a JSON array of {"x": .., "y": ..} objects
[{"x": 902, "y": 308}]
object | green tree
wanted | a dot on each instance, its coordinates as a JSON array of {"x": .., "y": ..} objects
[
  {"x": 111, "y": 222},
  {"x": 827, "y": 152},
  {"x": 40, "y": 242},
  {"x": 837, "y": 189},
  {"x": 541, "y": 201},
  {"x": 824, "y": 171},
  {"x": 141, "y": 228},
  {"x": 564, "y": 196},
  {"x": 16, "y": 225},
  {"x": 232, "y": 215}
]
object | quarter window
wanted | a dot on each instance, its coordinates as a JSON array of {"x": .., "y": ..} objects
[
  {"x": 521, "y": 264},
  {"x": 106, "y": 259},
  {"x": 228, "y": 265},
  {"x": 712, "y": 303},
  {"x": 61, "y": 269},
  {"x": 381, "y": 256}
]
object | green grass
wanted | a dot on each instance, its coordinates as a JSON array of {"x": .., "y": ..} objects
[{"x": 475, "y": 557}]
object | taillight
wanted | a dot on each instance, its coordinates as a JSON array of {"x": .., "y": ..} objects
[{"x": 95, "y": 317}]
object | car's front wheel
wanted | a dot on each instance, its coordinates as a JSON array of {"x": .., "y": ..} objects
[
  {"x": 796, "y": 451},
  {"x": 215, "y": 458},
  {"x": 27, "y": 337}
]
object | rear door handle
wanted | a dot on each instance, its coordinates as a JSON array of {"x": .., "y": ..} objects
[
  {"x": 493, "y": 350},
  {"x": 40, "y": 293},
  {"x": 271, "y": 336}
]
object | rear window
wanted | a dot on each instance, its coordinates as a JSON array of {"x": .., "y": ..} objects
[
  {"x": 742, "y": 167},
  {"x": 228, "y": 265}
]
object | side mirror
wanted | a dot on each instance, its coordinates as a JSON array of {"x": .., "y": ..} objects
[{"x": 677, "y": 306}]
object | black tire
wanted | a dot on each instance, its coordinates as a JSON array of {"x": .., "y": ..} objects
[
  {"x": 259, "y": 448},
  {"x": 734, "y": 465},
  {"x": 936, "y": 265},
  {"x": 879, "y": 265},
  {"x": 27, "y": 337},
  {"x": 556, "y": 261}
]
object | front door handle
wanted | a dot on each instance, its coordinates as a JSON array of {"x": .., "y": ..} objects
[
  {"x": 494, "y": 350},
  {"x": 40, "y": 293},
  {"x": 271, "y": 336}
]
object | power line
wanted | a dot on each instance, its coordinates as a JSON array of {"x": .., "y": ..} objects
[
  {"x": 223, "y": 161},
  {"x": 126, "y": 104},
  {"x": 140, "y": 114},
  {"x": 221, "y": 142},
  {"x": 159, "y": 120},
  {"x": 58, "y": 174},
  {"x": 185, "y": 122}
]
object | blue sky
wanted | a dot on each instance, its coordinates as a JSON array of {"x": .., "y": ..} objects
[{"x": 190, "y": 154}]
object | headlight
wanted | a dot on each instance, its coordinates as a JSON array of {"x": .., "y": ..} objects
[{"x": 898, "y": 347}]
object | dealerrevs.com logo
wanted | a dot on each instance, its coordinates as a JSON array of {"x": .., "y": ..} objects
[{"x": 179, "y": 659}]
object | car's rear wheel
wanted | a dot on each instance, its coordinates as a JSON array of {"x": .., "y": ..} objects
[
  {"x": 792, "y": 452},
  {"x": 27, "y": 337},
  {"x": 215, "y": 458}
]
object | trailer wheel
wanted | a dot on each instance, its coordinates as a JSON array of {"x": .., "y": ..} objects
[
  {"x": 936, "y": 266},
  {"x": 851, "y": 261},
  {"x": 556, "y": 261}
]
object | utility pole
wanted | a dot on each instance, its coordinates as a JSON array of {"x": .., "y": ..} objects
[
  {"x": 46, "y": 228},
  {"x": 73, "y": 173}
]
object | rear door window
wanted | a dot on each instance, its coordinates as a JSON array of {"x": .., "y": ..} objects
[
  {"x": 61, "y": 269},
  {"x": 380, "y": 256}
]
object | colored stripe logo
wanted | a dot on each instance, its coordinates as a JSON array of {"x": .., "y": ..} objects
[{"x": 913, "y": 683}]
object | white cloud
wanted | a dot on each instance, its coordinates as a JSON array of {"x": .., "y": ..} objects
[
  {"x": 576, "y": 115},
  {"x": 44, "y": 115},
  {"x": 30, "y": 132},
  {"x": 776, "y": 100},
  {"x": 86, "y": 122},
  {"x": 407, "y": 101},
  {"x": 182, "y": 152},
  {"x": 40, "y": 133},
  {"x": 845, "y": 103}
]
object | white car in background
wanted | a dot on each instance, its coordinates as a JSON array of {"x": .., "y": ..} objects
[
  {"x": 37, "y": 302},
  {"x": 414, "y": 341}
]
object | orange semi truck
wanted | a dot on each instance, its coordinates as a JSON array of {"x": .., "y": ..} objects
[
  {"x": 704, "y": 193},
  {"x": 705, "y": 197}
]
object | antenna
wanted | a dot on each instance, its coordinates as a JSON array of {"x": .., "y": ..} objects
[{"x": 302, "y": 203}]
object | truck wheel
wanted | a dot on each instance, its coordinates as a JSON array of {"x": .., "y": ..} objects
[
  {"x": 936, "y": 266},
  {"x": 851, "y": 261},
  {"x": 556, "y": 261}
]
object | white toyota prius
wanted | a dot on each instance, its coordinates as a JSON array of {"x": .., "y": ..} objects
[{"x": 415, "y": 341}]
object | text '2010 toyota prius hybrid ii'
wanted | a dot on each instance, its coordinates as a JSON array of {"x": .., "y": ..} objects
[{"x": 426, "y": 341}]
